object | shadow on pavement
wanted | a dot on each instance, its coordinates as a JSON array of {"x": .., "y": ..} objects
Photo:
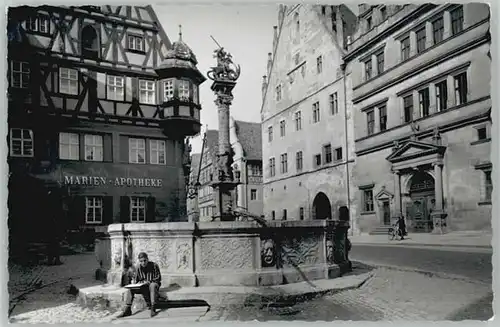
[{"x": 481, "y": 309}]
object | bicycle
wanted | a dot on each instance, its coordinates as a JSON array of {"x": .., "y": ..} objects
[{"x": 394, "y": 231}]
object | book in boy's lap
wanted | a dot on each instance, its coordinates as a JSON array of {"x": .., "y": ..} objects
[{"x": 136, "y": 285}]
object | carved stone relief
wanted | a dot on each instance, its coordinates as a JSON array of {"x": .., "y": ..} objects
[
  {"x": 330, "y": 251},
  {"x": 300, "y": 251},
  {"x": 268, "y": 253},
  {"x": 159, "y": 251},
  {"x": 184, "y": 256},
  {"x": 236, "y": 253}
]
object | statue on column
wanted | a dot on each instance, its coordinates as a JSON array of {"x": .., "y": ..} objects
[{"x": 226, "y": 69}]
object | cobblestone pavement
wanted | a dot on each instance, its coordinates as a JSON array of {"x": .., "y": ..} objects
[
  {"x": 474, "y": 264},
  {"x": 389, "y": 295}
]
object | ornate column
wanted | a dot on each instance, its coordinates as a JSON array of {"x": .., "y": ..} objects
[
  {"x": 438, "y": 215},
  {"x": 397, "y": 196},
  {"x": 224, "y": 76}
]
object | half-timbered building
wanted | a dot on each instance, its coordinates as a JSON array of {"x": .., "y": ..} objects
[{"x": 100, "y": 105}]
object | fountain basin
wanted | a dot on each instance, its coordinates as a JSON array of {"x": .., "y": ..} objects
[{"x": 235, "y": 253}]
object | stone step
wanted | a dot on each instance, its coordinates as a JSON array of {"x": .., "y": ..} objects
[{"x": 380, "y": 230}]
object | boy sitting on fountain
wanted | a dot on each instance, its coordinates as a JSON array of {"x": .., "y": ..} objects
[{"x": 149, "y": 277}]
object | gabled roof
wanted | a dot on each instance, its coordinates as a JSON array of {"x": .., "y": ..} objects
[
  {"x": 414, "y": 149},
  {"x": 250, "y": 136}
]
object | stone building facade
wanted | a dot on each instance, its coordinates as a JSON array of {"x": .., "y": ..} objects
[
  {"x": 306, "y": 116},
  {"x": 89, "y": 114},
  {"x": 245, "y": 140},
  {"x": 421, "y": 104}
]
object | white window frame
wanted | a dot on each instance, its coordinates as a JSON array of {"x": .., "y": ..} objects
[
  {"x": 93, "y": 209},
  {"x": 183, "y": 90},
  {"x": 66, "y": 77},
  {"x": 147, "y": 92},
  {"x": 72, "y": 142},
  {"x": 136, "y": 43},
  {"x": 24, "y": 74},
  {"x": 136, "y": 146},
  {"x": 168, "y": 89},
  {"x": 115, "y": 88},
  {"x": 156, "y": 148},
  {"x": 38, "y": 24},
  {"x": 23, "y": 141},
  {"x": 138, "y": 203},
  {"x": 94, "y": 147}
]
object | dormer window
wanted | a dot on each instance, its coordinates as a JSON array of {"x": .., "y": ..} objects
[
  {"x": 184, "y": 90},
  {"x": 90, "y": 42}
]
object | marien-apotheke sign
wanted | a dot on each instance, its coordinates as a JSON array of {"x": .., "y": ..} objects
[{"x": 117, "y": 181}]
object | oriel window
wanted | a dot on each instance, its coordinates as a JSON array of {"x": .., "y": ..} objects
[
  {"x": 69, "y": 146},
  {"x": 116, "y": 88},
  {"x": 168, "y": 90},
  {"x": 147, "y": 92},
  {"x": 19, "y": 74},
  {"x": 184, "y": 90},
  {"x": 93, "y": 147},
  {"x": 21, "y": 142}
]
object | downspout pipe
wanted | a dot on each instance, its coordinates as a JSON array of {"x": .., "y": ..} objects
[{"x": 343, "y": 66}]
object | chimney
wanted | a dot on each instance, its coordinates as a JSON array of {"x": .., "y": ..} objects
[
  {"x": 275, "y": 37},
  {"x": 281, "y": 13},
  {"x": 326, "y": 12},
  {"x": 269, "y": 62},
  {"x": 264, "y": 85},
  {"x": 339, "y": 21}
]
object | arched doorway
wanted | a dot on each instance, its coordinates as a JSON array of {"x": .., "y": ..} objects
[
  {"x": 421, "y": 190},
  {"x": 322, "y": 208}
]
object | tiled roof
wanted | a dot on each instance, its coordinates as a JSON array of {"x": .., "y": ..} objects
[{"x": 250, "y": 137}]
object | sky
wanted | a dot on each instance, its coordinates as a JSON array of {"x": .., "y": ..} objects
[{"x": 245, "y": 31}]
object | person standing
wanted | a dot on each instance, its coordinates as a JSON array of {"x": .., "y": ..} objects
[
  {"x": 402, "y": 227},
  {"x": 147, "y": 272}
]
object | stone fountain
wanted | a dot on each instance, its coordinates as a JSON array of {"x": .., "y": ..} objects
[{"x": 227, "y": 251}]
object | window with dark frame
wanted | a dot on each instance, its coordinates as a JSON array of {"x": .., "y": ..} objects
[
  {"x": 438, "y": 30},
  {"x": 319, "y": 64},
  {"x": 380, "y": 62},
  {"x": 368, "y": 200},
  {"x": 301, "y": 213},
  {"x": 441, "y": 96},
  {"x": 334, "y": 103},
  {"x": 273, "y": 215},
  {"x": 369, "y": 23},
  {"x": 488, "y": 185},
  {"x": 460, "y": 88},
  {"x": 482, "y": 133},
  {"x": 38, "y": 24},
  {"x": 284, "y": 214},
  {"x": 370, "y": 121},
  {"x": 408, "y": 108},
  {"x": 423, "y": 100},
  {"x": 327, "y": 153},
  {"x": 405, "y": 48},
  {"x": 136, "y": 43},
  {"x": 338, "y": 154},
  {"x": 21, "y": 142},
  {"x": 421, "y": 39},
  {"x": 298, "y": 121},
  {"x": 137, "y": 209},
  {"x": 253, "y": 195},
  {"x": 383, "y": 13},
  {"x": 19, "y": 74},
  {"x": 284, "y": 163},
  {"x": 278, "y": 93},
  {"x": 299, "y": 161},
  {"x": 316, "y": 113},
  {"x": 382, "y": 117},
  {"x": 270, "y": 133},
  {"x": 282, "y": 128},
  {"x": 368, "y": 69},
  {"x": 317, "y": 160},
  {"x": 272, "y": 167},
  {"x": 457, "y": 20}
]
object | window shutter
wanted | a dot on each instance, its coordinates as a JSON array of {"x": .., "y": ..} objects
[
  {"x": 76, "y": 214},
  {"x": 108, "y": 147},
  {"x": 124, "y": 209},
  {"x": 124, "y": 149},
  {"x": 150, "y": 209},
  {"x": 107, "y": 210}
]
